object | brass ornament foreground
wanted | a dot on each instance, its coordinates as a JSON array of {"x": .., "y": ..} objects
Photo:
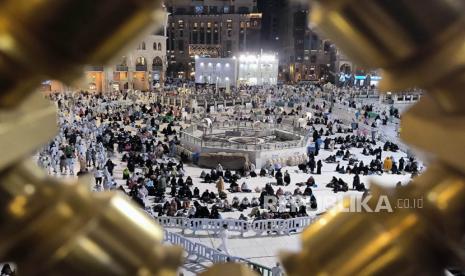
[
  {"x": 48, "y": 227},
  {"x": 416, "y": 43}
]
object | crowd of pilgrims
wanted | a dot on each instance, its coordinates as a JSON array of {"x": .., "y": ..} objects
[{"x": 93, "y": 127}]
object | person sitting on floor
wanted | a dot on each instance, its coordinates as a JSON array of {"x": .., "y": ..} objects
[
  {"x": 227, "y": 175},
  {"x": 255, "y": 202},
  {"x": 332, "y": 183},
  {"x": 196, "y": 192},
  {"x": 245, "y": 188},
  {"x": 287, "y": 178},
  {"x": 207, "y": 178},
  {"x": 310, "y": 181},
  {"x": 235, "y": 202},
  {"x": 244, "y": 204},
  {"x": 297, "y": 192},
  {"x": 205, "y": 196},
  {"x": 203, "y": 174},
  {"x": 308, "y": 191},
  {"x": 234, "y": 187},
  {"x": 226, "y": 206},
  {"x": 214, "y": 213}
]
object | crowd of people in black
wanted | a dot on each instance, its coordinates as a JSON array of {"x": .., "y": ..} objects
[{"x": 145, "y": 135}]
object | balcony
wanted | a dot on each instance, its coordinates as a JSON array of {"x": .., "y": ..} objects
[
  {"x": 141, "y": 68},
  {"x": 94, "y": 68},
  {"x": 121, "y": 68},
  {"x": 157, "y": 67}
]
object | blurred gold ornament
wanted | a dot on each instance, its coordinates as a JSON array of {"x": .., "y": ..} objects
[
  {"x": 416, "y": 43},
  {"x": 47, "y": 227}
]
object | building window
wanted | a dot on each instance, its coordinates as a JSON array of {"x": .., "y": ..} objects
[
  {"x": 216, "y": 38},
  {"x": 140, "y": 61},
  {"x": 229, "y": 47},
  {"x": 199, "y": 9},
  {"x": 202, "y": 36},
  {"x": 157, "y": 61},
  {"x": 243, "y": 10},
  {"x": 143, "y": 46},
  {"x": 159, "y": 47},
  {"x": 181, "y": 45},
  {"x": 195, "y": 37},
  {"x": 213, "y": 10}
]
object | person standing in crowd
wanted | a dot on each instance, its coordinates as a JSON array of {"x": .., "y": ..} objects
[
  {"x": 98, "y": 175},
  {"x": 224, "y": 236},
  {"x": 318, "y": 167},
  {"x": 277, "y": 270},
  {"x": 220, "y": 185}
]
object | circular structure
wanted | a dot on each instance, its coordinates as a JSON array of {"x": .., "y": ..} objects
[{"x": 246, "y": 140}]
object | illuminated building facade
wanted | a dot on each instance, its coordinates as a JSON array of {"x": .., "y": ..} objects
[
  {"x": 247, "y": 69},
  {"x": 142, "y": 68},
  {"x": 213, "y": 28},
  {"x": 258, "y": 69}
]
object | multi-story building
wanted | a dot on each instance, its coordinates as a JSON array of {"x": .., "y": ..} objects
[
  {"x": 308, "y": 56},
  {"x": 221, "y": 72},
  {"x": 247, "y": 69},
  {"x": 209, "y": 28},
  {"x": 303, "y": 54},
  {"x": 273, "y": 23},
  {"x": 258, "y": 69},
  {"x": 343, "y": 64},
  {"x": 140, "y": 69}
]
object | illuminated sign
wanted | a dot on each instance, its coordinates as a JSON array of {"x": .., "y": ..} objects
[{"x": 373, "y": 78}]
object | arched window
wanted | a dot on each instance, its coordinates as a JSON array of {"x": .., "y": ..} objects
[
  {"x": 124, "y": 61},
  {"x": 155, "y": 46},
  {"x": 159, "y": 46},
  {"x": 327, "y": 46},
  {"x": 157, "y": 61},
  {"x": 141, "y": 61},
  {"x": 143, "y": 45},
  {"x": 345, "y": 68},
  {"x": 123, "y": 65}
]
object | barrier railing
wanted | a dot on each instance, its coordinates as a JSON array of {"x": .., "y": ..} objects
[
  {"x": 203, "y": 252},
  {"x": 279, "y": 226}
]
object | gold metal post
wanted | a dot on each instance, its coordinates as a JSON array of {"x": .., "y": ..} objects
[
  {"x": 416, "y": 43},
  {"x": 47, "y": 227}
]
